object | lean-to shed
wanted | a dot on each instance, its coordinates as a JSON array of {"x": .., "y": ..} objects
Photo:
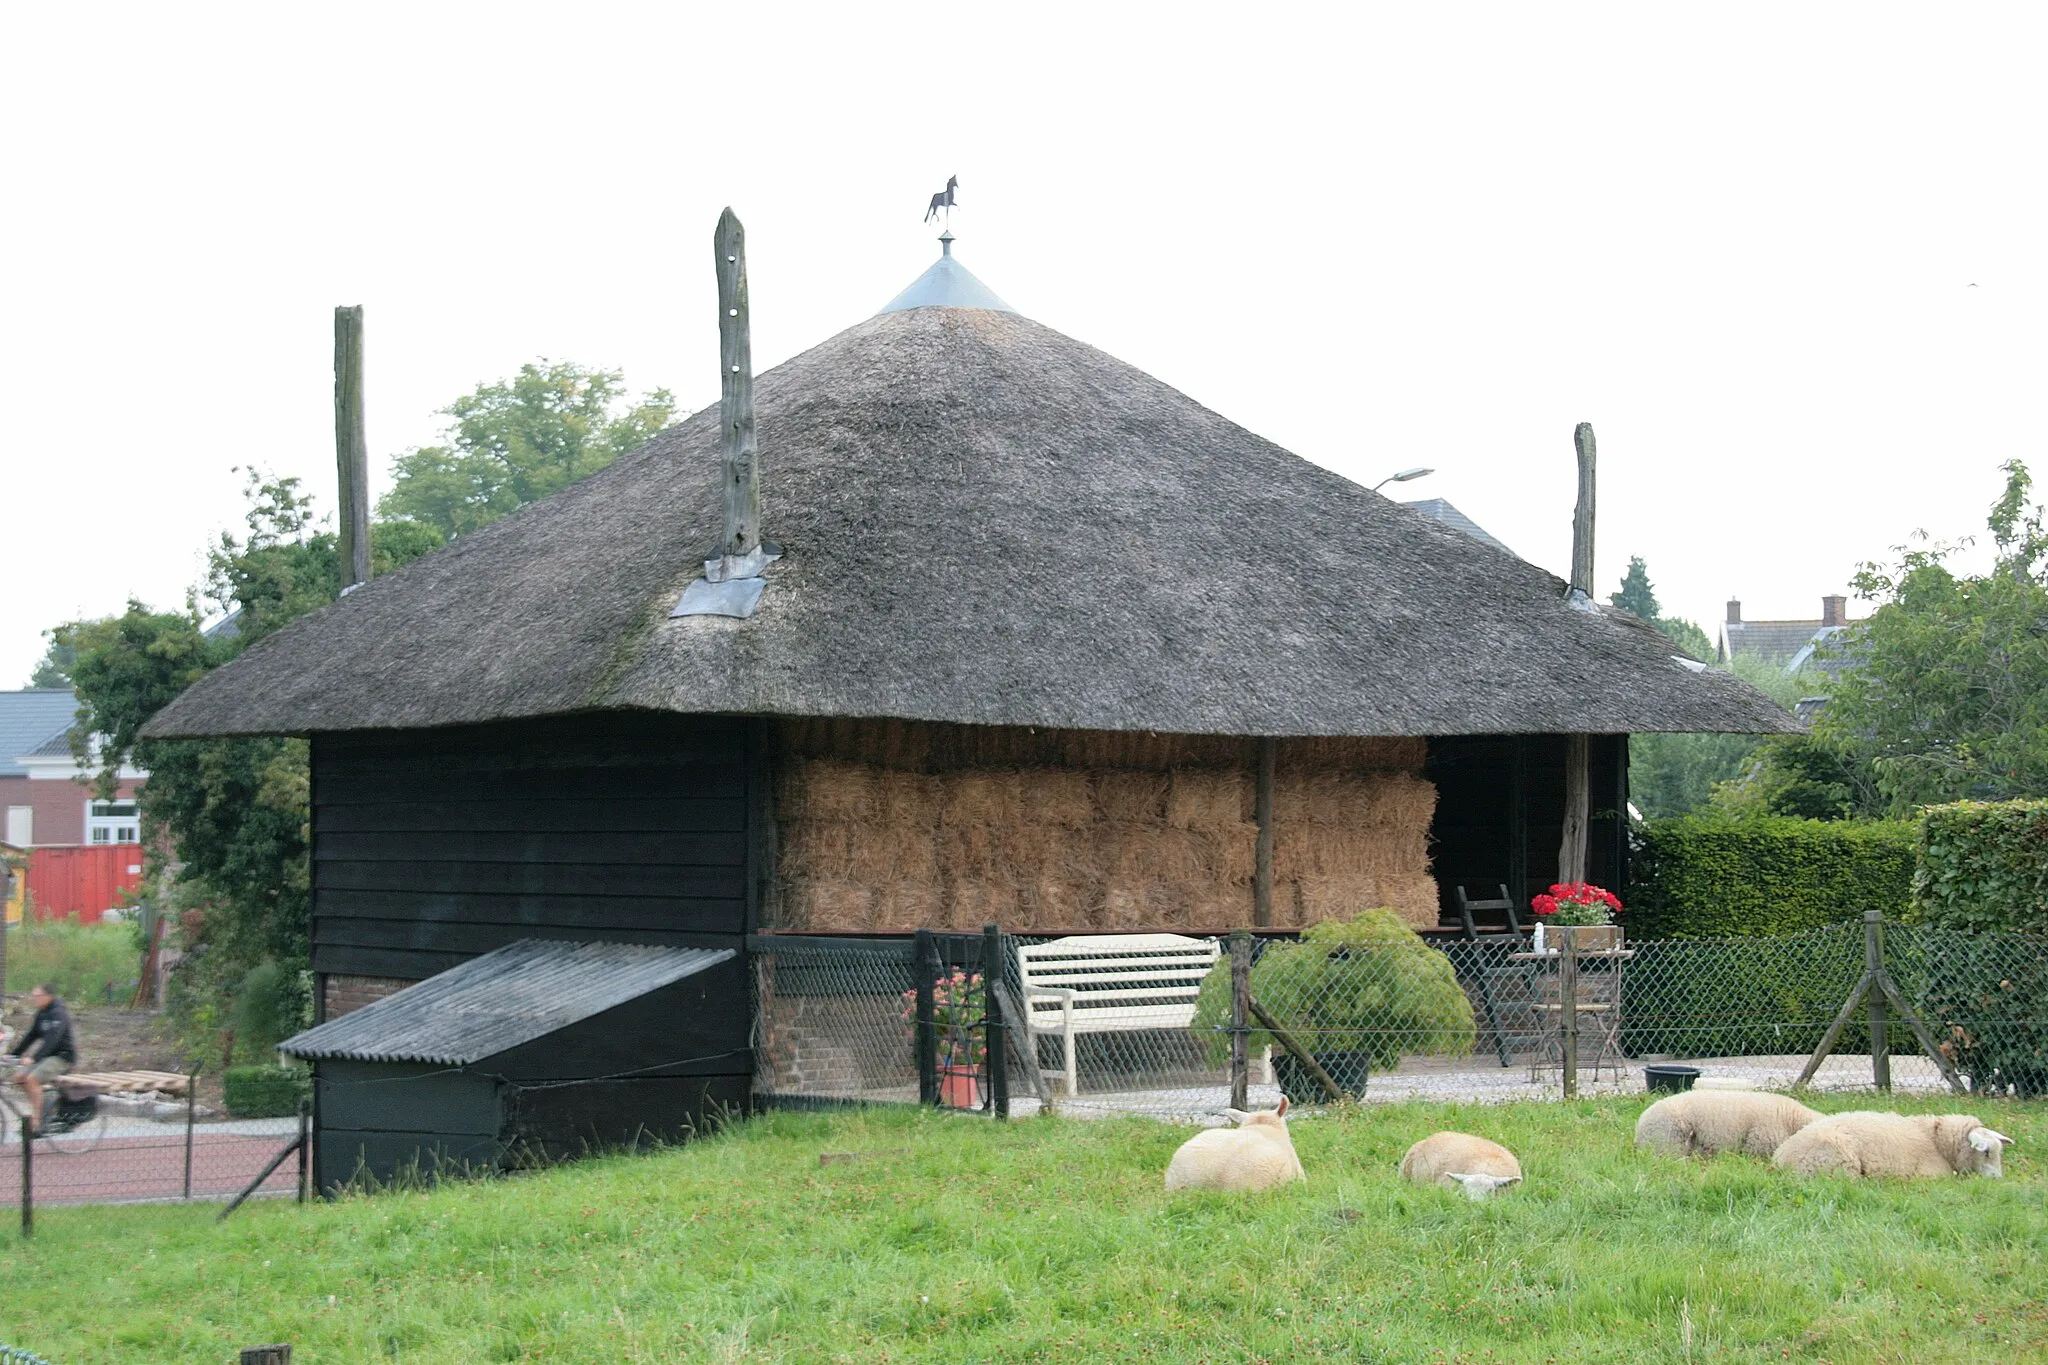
[{"x": 1047, "y": 642}]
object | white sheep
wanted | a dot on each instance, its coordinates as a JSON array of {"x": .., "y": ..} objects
[
  {"x": 1255, "y": 1155},
  {"x": 1703, "y": 1122},
  {"x": 1868, "y": 1143},
  {"x": 1461, "y": 1161}
]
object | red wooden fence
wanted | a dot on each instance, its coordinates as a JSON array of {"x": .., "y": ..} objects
[{"x": 80, "y": 883}]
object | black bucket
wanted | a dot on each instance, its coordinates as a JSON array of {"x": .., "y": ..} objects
[
  {"x": 1670, "y": 1079},
  {"x": 1347, "y": 1069}
]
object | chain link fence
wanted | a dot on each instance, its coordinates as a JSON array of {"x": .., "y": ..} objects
[{"x": 1146, "y": 1023}]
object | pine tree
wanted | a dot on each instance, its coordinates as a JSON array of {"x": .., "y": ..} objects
[{"x": 1636, "y": 594}]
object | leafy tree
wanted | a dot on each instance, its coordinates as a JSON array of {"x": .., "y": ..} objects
[
  {"x": 1636, "y": 594},
  {"x": 1679, "y": 774},
  {"x": 1687, "y": 637},
  {"x": 1944, "y": 695},
  {"x": 518, "y": 440},
  {"x": 54, "y": 668}
]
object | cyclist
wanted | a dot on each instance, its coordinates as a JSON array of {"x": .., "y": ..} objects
[{"x": 55, "y": 1047}]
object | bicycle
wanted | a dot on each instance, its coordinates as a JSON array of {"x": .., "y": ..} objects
[{"x": 71, "y": 1111}]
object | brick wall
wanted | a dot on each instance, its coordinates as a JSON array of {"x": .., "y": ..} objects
[
  {"x": 834, "y": 1045},
  {"x": 58, "y": 803},
  {"x": 341, "y": 995}
]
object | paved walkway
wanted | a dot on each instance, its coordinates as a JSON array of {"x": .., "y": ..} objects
[{"x": 138, "y": 1161}]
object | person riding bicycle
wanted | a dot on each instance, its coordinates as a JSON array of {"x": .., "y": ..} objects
[{"x": 55, "y": 1045}]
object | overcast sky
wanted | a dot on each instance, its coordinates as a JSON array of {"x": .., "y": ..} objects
[{"x": 1788, "y": 260}]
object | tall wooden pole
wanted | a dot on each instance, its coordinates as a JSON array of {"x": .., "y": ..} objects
[
  {"x": 351, "y": 449},
  {"x": 1571, "y": 851},
  {"x": 740, "y": 472},
  {"x": 1262, "y": 853}
]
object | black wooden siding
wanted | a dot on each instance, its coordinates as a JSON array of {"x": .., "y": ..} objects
[
  {"x": 1500, "y": 814},
  {"x": 432, "y": 846}
]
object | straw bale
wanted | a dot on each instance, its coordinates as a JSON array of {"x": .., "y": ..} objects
[
  {"x": 905, "y": 905},
  {"x": 1198, "y": 798},
  {"x": 977, "y": 797},
  {"x": 1132, "y": 796},
  {"x": 1061, "y": 797},
  {"x": 1124, "y": 908},
  {"x": 1398, "y": 753},
  {"x": 1218, "y": 910},
  {"x": 1355, "y": 799},
  {"x": 1134, "y": 854},
  {"x": 1314, "y": 899},
  {"x": 825, "y": 789},
  {"x": 1053, "y": 901},
  {"x": 1333, "y": 850},
  {"x": 970, "y": 905},
  {"x": 841, "y": 850},
  {"x": 827, "y": 905}
]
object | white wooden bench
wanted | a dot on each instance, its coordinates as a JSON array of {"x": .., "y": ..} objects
[{"x": 1110, "y": 983}]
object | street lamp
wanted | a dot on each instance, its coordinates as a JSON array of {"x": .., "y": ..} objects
[{"x": 1402, "y": 477}]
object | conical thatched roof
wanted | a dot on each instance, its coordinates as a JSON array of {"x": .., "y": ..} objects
[{"x": 983, "y": 521}]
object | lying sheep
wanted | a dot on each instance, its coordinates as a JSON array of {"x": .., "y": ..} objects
[
  {"x": 1255, "y": 1155},
  {"x": 1701, "y": 1123},
  {"x": 1865, "y": 1143},
  {"x": 1460, "y": 1160}
]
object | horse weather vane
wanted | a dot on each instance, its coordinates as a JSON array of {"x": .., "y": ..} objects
[{"x": 944, "y": 200}]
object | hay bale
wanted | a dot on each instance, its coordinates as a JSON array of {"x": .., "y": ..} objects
[
  {"x": 1130, "y": 796},
  {"x": 825, "y": 789},
  {"x": 971, "y": 905},
  {"x": 1060, "y": 797},
  {"x": 830, "y": 905},
  {"x": 1335, "y": 850},
  {"x": 1219, "y": 910},
  {"x": 1198, "y": 798},
  {"x": 1394, "y": 753},
  {"x": 1412, "y": 896},
  {"x": 1053, "y": 902},
  {"x": 902, "y": 906},
  {"x": 1138, "y": 855},
  {"x": 840, "y": 850}
]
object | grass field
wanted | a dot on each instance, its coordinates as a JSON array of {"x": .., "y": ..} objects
[{"x": 962, "y": 1240}]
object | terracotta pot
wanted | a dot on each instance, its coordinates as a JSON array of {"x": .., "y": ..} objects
[{"x": 959, "y": 1087}]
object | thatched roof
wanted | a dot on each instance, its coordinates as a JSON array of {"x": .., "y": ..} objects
[{"x": 983, "y": 521}]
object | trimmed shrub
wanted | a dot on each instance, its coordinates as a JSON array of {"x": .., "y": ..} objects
[
  {"x": 264, "y": 1092},
  {"x": 1741, "y": 997},
  {"x": 1368, "y": 984},
  {"x": 1712, "y": 876},
  {"x": 1983, "y": 865}
]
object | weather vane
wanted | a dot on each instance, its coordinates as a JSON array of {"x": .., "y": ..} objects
[{"x": 944, "y": 200}]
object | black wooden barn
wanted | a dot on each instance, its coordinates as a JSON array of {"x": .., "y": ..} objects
[{"x": 990, "y": 534}]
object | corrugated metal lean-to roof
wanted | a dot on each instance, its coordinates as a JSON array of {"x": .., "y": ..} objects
[{"x": 508, "y": 997}]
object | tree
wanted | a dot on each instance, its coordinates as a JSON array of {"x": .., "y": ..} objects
[
  {"x": 1679, "y": 774},
  {"x": 518, "y": 440},
  {"x": 54, "y": 668},
  {"x": 1636, "y": 595},
  {"x": 1944, "y": 692}
]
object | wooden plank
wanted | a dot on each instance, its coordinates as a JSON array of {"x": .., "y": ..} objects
[
  {"x": 406, "y": 1097},
  {"x": 648, "y": 912},
  {"x": 536, "y": 879},
  {"x": 472, "y": 939},
  {"x": 351, "y": 446},
  {"x": 656, "y": 816},
  {"x": 590, "y": 847},
  {"x": 739, "y": 469},
  {"x": 632, "y": 736},
  {"x": 403, "y": 964},
  {"x": 683, "y": 781}
]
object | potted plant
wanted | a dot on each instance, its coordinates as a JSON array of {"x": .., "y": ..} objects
[
  {"x": 957, "y": 1009},
  {"x": 1357, "y": 994},
  {"x": 1585, "y": 907}
]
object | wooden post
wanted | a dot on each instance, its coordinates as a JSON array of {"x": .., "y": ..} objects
[
  {"x": 1582, "y": 517},
  {"x": 351, "y": 448},
  {"x": 923, "y": 955},
  {"x": 1568, "y": 1008},
  {"x": 1578, "y": 804},
  {"x": 995, "y": 1032},
  {"x": 1331, "y": 1090},
  {"x": 28, "y": 1176},
  {"x": 740, "y": 474},
  {"x": 305, "y": 1148},
  {"x": 1873, "y": 1000},
  {"x": 191, "y": 1112},
  {"x": 1262, "y": 812},
  {"x": 1240, "y": 1010}
]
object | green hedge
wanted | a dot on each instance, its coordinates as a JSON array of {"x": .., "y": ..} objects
[
  {"x": 1983, "y": 865},
  {"x": 1715, "y": 876},
  {"x": 264, "y": 1092}
]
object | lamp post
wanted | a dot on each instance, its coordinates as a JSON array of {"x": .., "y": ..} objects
[{"x": 1403, "y": 477}]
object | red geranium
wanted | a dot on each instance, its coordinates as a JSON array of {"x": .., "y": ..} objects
[{"x": 1577, "y": 903}]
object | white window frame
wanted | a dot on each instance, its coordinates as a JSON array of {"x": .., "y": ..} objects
[{"x": 103, "y": 829}]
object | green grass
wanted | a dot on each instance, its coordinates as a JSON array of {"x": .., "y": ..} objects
[
  {"x": 80, "y": 960},
  {"x": 1053, "y": 1240}
]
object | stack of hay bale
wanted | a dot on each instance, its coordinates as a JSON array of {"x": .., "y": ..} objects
[{"x": 894, "y": 826}]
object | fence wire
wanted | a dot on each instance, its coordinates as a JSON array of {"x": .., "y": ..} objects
[{"x": 1483, "y": 1018}]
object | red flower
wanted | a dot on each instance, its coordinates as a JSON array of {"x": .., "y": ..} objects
[{"x": 1544, "y": 905}]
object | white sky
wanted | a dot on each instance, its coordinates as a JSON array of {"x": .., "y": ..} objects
[{"x": 1738, "y": 239}]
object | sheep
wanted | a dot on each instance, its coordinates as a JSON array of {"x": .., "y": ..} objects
[
  {"x": 1701, "y": 1123},
  {"x": 1460, "y": 1160},
  {"x": 1869, "y": 1143},
  {"x": 1255, "y": 1155}
]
